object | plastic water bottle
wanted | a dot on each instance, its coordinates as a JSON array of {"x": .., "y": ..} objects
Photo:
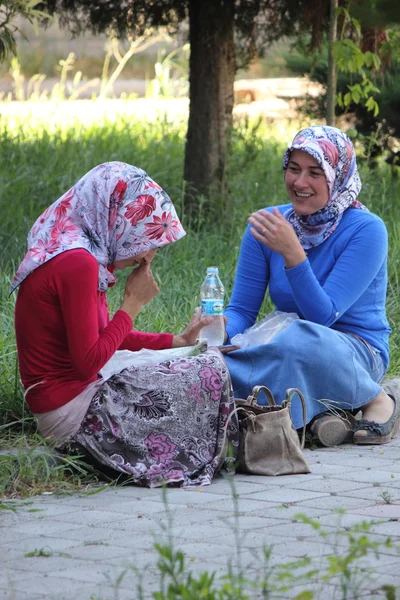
[{"x": 212, "y": 304}]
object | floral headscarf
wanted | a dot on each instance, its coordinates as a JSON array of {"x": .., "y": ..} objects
[
  {"x": 114, "y": 212},
  {"x": 334, "y": 152}
]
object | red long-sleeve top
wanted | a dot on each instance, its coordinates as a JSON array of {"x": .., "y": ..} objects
[{"x": 64, "y": 333}]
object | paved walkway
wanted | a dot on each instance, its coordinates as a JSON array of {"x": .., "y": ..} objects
[{"x": 90, "y": 540}]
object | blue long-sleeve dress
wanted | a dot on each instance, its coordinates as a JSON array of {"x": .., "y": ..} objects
[{"x": 338, "y": 350}]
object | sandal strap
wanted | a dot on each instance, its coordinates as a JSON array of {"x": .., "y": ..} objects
[{"x": 369, "y": 426}]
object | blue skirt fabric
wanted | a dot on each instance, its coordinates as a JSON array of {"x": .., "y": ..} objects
[{"x": 334, "y": 370}]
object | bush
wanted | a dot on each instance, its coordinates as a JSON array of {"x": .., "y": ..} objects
[{"x": 386, "y": 123}]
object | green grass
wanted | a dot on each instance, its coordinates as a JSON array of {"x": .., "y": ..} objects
[
  {"x": 29, "y": 468},
  {"x": 41, "y": 161}
]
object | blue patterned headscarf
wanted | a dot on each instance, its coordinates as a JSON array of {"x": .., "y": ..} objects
[{"x": 334, "y": 152}]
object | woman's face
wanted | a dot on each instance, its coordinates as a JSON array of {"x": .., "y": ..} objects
[
  {"x": 305, "y": 183},
  {"x": 135, "y": 260}
]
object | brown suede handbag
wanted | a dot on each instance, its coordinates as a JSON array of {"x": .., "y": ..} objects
[{"x": 269, "y": 443}]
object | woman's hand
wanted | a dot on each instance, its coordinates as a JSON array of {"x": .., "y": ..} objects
[
  {"x": 275, "y": 232},
  {"x": 190, "y": 335},
  {"x": 140, "y": 288}
]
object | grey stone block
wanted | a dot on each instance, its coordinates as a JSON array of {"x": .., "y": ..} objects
[
  {"x": 338, "y": 503},
  {"x": 380, "y": 511},
  {"x": 245, "y": 505},
  {"x": 280, "y": 480},
  {"x": 374, "y": 494},
  {"x": 11, "y": 594},
  {"x": 328, "y": 485},
  {"x": 43, "y": 527},
  {"x": 285, "y": 494},
  {"x": 48, "y": 587},
  {"x": 289, "y": 512},
  {"x": 27, "y": 544}
]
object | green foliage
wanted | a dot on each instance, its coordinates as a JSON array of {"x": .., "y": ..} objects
[
  {"x": 350, "y": 58},
  {"x": 376, "y": 13},
  {"x": 390, "y": 50},
  {"x": 376, "y": 134},
  {"x": 45, "y": 552},
  {"x": 9, "y": 11}
]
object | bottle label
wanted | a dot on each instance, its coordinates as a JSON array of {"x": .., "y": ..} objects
[{"x": 212, "y": 307}]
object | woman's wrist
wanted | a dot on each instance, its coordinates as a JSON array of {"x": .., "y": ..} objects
[
  {"x": 131, "y": 309},
  {"x": 178, "y": 341},
  {"x": 295, "y": 258}
]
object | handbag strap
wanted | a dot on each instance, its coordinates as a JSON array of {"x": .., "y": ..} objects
[
  {"x": 287, "y": 403},
  {"x": 252, "y": 399}
]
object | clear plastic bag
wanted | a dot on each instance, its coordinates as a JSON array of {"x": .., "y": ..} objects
[
  {"x": 122, "y": 359},
  {"x": 263, "y": 331}
]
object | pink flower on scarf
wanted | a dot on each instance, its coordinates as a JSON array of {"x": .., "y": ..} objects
[
  {"x": 164, "y": 226},
  {"x": 41, "y": 224},
  {"x": 115, "y": 201},
  {"x": 44, "y": 216},
  {"x": 152, "y": 184},
  {"x": 330, "y": 151},
  {"x": 61, "y": 210},
  {"x": 211, "y": 382},
  {"x": 43, "y": 249},
  {"x": 142, "y": 207},
  {"x": 160, "y": 447},
  {"x": 65, "y": 231}
]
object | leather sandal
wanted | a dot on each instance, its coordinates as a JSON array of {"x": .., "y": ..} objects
[
  {"x": 332, "y": 430},
  {"x": 378, "y": 433}
]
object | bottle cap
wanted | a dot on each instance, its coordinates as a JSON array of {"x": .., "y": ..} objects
[{"x": 212, "y": 270}]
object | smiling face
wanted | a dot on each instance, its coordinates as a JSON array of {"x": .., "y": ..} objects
[
  {"x": 305, "y": 183},
  {"x": 135, "y": 260}
]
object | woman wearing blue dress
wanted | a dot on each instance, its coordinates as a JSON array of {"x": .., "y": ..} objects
[{"x": 324, "y": 257}]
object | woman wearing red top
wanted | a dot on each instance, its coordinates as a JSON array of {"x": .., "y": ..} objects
[{"x": 159, "y": 424}]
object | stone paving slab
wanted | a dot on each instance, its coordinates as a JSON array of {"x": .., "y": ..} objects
[
  {"x": 374, "y": 493},
  {"x": 335, "y": 503},
  {"x": 94, "y": 539}
]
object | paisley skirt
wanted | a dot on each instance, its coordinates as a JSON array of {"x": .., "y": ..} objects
[{"x": 171, "y": 423}]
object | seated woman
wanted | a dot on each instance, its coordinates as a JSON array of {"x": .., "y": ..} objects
[
  {"x": 324, "y": 257},
  {"x": 158, "y": 424}
]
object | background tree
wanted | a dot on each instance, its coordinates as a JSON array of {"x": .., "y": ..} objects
[
  {"x": 331, "y": 91},
  {"x": 223, "y": 35}
]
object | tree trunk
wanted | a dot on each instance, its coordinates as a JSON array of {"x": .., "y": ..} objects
[
  {"x": 331, "y": 91},
  {"x": 212, "y": 73}
]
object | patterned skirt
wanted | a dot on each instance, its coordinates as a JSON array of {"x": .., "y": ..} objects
[{"x": 163, "y": 424}]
